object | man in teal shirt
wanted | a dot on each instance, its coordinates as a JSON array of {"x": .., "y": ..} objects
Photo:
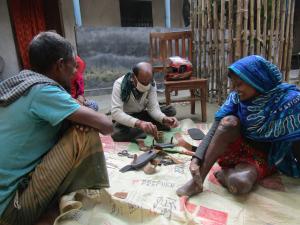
[{"x": 39, "y": 161}]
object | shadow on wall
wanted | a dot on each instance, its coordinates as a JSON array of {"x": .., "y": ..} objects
[{"x": 111, "y": 52}]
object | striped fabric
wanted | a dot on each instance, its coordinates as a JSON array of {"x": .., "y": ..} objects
[
  {"x": 14, "y": 87},
  {"x": 75, "y": 162}
]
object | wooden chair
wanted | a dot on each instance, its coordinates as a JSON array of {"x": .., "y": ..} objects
[{"x": 164, "y": 45}]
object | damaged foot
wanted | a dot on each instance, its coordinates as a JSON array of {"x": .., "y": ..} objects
[
  {"x": 273, "y": 182},
  {"x": 219, "y": 175},
  {"x": 222, "y": 177},
  {"x": 190, "y": 188},
  {"x": 239, "y": 180}
]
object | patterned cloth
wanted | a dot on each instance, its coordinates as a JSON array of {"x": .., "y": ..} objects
[
  {"x": 14, "y": 87},
  {"x": 77, "y": 83},
  {"x": 76, "y": 162},
  {"x": 241, "y": 152},
  {"x": 28, "y": 19},
  {"x": 273, "y": 116},
  {"x": 126, "y": 87},
  {"x": 91, "y": 104}
]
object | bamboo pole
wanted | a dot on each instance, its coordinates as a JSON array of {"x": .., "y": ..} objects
[
  {"x": 194, "y": 13},
  {"x": 245, "y": 43},
  {"x": 213, "y": 72},
  {"x": 216, "y": 47},
  {"x": 230, "y": 50},
  {"x": 204, "y": 40},
  {"x": 271, "y": 34},
  {"x": 258, "y": 38},
  {"x": 204, "y": 37},
  {"x": 197, "y": 34},
  {"x": 286, "y": 41},
  {"x": 251, "y": 27},
  {"x": 222, "y": 43},
  {"x": 192, "y": 22},
  {"x": 238, "y": 52},
  {"x": 282, "y": 25},
  {"x": 264, "y": 43},
  {"x": 291, "y": 41},
  {"x": 230, "y": 55},
  {"x": 277, "y": 32}
]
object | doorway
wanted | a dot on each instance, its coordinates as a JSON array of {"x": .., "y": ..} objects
[{"x": 30, "y": 17}]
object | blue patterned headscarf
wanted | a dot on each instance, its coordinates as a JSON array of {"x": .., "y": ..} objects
[
  {"x": 258, "y": 72},
  {"x": 273, "y": 116}
]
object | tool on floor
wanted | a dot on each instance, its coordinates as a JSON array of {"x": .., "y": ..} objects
[
  {"x": 125, "y": 153},
  {"x": 139, "y": 161}
]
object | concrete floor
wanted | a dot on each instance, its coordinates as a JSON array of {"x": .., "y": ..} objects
[{"x": 183, "y": 109}]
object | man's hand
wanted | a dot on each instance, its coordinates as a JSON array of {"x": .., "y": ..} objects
[
  {"x": 83, "y": 128},
  {"x": 147, "y": 127},
  {"x": 80, "y": 99},
  {"x": 90, "y": 118},
  {"x": 170, "y": 121}
]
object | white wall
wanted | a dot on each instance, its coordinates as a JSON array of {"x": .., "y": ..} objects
[
  {"x": 101, "y": 13},
  {"x": 7, "y": 44},
  {"x": 106, "y": 13},
  {"x": 158, "y": 12},
  {"x": 68, "y": 20}
]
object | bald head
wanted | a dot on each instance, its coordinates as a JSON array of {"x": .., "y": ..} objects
[{"x": 143, "y": 72}]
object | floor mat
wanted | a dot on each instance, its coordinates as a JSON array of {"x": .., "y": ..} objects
[{"x": 137, "y": 198}]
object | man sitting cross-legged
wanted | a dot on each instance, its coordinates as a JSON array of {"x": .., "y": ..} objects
[
  {"x": 135, "y": 106},
  {"x": 38, "y": 160}
]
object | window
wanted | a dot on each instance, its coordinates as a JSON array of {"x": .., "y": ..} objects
[{"x": 135, "y": 13}]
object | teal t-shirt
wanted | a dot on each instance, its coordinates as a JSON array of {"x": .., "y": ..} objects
[{"x": 29, "y": 128}]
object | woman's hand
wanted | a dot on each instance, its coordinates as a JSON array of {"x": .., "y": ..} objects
[{"x": 195, "y": 170}]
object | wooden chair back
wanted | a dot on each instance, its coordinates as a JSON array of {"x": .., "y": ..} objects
[{"x": 166, "y": 44}]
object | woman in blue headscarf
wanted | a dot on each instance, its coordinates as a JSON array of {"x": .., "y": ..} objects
[{"x": 256, "y": 131}]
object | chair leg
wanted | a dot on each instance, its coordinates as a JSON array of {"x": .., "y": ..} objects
[
  {"x": 203, "y": 103},
  {"x": 167, "y": 95},
  {"x": 192, "y": 101}
]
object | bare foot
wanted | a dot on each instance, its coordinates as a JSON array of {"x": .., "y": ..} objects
[
  {"x": 273, "y": 182},
  {"x": 220, "y": 177},
  {"x": 239, "y": 180},
  {"x": 190, "y": 188}
]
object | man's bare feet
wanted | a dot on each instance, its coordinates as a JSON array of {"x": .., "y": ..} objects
[{"x": 190, "y": 188}]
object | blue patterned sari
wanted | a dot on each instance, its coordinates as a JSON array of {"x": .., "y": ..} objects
[{"x": 273, "y": 116}]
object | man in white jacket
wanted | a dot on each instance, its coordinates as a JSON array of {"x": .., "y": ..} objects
[{"x": 135, "y": 107}]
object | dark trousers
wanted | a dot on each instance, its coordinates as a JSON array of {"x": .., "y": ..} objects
[{"x": 129, "y": 134}]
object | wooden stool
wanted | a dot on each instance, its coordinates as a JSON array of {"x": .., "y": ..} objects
[{"x": 192, "y": 84}]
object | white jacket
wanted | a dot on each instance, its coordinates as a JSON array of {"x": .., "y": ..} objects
[{"x": 120, "y": 111}]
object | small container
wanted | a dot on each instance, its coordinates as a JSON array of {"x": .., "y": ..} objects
[{"x": 160, "y": 137}]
